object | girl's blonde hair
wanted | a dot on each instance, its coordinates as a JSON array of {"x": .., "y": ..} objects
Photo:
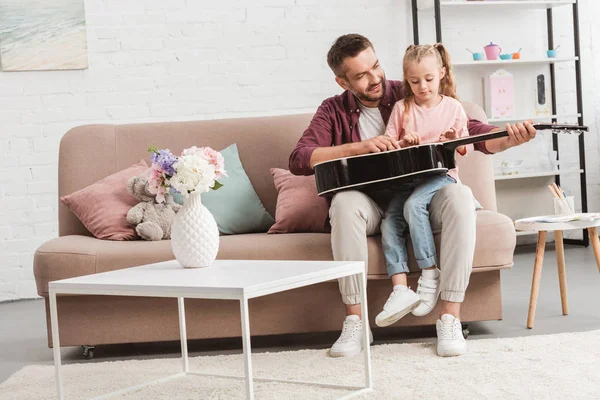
[{"x": 417, "y": 53}]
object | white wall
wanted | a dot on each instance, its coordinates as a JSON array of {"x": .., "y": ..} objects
[{"x": 156, "y": 60}]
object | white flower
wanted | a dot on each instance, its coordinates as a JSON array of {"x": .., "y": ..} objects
[
  {"x": 190, "y": 151},
  {"x": 193, "y": 174},
  {"x": 212, "y": 156}
]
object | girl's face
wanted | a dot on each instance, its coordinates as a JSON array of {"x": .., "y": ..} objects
[{"x": 424, "y": 78}]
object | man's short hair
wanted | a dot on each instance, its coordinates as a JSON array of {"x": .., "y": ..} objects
[{"x": 346, "y": 46}]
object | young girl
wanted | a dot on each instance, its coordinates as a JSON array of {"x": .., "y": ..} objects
[{"x": 429, "y": 113}]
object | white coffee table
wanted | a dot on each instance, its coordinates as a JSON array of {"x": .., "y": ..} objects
[
  {"x": 227, "y": 280},
  {"x": 533, "y": 225}
]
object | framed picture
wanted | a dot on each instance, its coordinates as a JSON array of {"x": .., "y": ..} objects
[
  {"x": 40, "y": 35},
  {"x": 499, "y": 94}
]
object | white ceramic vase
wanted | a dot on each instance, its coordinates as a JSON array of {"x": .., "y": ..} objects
[{"x": 194, "y": 234}]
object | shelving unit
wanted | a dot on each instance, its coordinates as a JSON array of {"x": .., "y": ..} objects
[
  {"x": 538, "y": 118},
  {"x": 519, "y": 61},
  {"x": 537, "y": 174},
  {"x": 548, "y": 5},
  {"x": 520, "y": 4}
]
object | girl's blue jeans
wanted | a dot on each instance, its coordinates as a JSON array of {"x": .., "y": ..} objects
[{"x": 408, "y": 212}]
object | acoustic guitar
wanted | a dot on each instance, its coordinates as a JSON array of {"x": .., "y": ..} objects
[{"x": 374, "y": 171}]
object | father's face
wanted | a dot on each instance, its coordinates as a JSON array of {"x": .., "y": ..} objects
[{"x": 364, "y": 77}]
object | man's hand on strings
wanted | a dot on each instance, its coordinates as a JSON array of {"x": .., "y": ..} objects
[{"x": 378, "y": 144}]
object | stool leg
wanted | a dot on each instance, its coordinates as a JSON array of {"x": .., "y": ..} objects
[
  {"x": 593, "y": 234},
  {"x": 537, "y": 274},
  {"x": 562, "y": 275}
]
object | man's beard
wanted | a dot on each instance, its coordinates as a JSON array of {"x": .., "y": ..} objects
[{"x": 366, "y": 97}]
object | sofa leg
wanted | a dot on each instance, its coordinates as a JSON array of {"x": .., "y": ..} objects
[
  {"x": 465, "y": 329},
  {"x": 88, "y": 352}
]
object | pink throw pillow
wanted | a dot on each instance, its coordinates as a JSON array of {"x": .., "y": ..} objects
[
  {"x": 102, "y": 207},
  {"x": 299, "y": 207}
]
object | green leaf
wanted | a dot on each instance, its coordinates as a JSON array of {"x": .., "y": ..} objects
[
  {"x": 152, "y": 149},
  {"x": 217, "y": 185}
]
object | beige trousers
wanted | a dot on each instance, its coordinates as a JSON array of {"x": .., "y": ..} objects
[{"x": 354, "y": 216}]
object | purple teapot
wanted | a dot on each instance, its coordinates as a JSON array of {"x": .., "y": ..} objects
[{"x": 492, "y": 51}]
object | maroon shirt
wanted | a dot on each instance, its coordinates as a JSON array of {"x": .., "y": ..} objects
[{"x": 336, "y": 123}]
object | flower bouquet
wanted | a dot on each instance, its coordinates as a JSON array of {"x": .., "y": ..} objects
[
  {"x": 194, "y": 234},
  {"x": 195, "y": 171}
]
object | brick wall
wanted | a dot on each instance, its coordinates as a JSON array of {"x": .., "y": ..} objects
[{"x": 156, "y": 60}]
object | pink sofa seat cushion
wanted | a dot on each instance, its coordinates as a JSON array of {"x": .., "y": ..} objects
[{"x": 102, "y": 207}]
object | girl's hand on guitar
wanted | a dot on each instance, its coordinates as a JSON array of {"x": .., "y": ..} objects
[
  {"x": 410, "y": 139},
  {"x": 448, "y": 135},
  {"x": 377, "y": 144}
]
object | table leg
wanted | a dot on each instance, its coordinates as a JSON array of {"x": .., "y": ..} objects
[
  {"x": 562, "y": 275},
  {"x": 183, "y": 335},
  {"x": 56, "y": 344},
  {"x": 537, "y": 274},
  {"x": 247, "y": 348},
  {"x": 593, "y": 234},
  {"x": 362, "y": 278}
]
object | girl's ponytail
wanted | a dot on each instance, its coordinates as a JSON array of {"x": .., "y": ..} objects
[{"x": 447, "y": 84}]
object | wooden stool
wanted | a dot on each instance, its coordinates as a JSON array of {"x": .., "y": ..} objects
[{"x": 530, "y": 224}]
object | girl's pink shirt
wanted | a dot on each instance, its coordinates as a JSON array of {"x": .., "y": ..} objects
[{"x": 429, "y": 123}]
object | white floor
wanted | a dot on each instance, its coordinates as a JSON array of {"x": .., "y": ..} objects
[{"x": 23, "y": 331}]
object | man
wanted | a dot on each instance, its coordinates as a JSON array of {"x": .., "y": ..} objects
[{"x": 353, "y": 123}]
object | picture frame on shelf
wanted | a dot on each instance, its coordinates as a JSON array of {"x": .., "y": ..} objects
[{"x": 499, "y": 99}]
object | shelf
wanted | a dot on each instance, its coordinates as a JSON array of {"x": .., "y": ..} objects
[
  {"x": 537, "y": 174},
  {"x": 544, "y": 60},
  {"x": 540, "y": 4},
  {"x": 538, "y": 118}
]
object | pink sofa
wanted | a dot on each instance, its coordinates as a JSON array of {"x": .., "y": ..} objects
[{"x": 89, "y": 153}]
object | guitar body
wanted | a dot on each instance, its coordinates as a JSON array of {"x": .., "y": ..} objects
[
  {"x": 377, "y": 170},
  {"x": 374, "y": 171}
]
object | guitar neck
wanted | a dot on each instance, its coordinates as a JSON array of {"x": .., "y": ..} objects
[{"x": 453, "y": 144}]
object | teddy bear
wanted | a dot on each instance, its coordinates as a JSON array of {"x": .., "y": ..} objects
[{"x": 152, "y": 220}]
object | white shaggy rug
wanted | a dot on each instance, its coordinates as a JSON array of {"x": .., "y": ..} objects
[{"x": 562, "y": 366}]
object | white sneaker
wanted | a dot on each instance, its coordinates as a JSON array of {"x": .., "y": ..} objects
[
  {"x": 451, "y": 341},
  {"x": 401, "y": 302},
  {"x": 429, "y": 292},
  {"x": 350, "y": 342}
]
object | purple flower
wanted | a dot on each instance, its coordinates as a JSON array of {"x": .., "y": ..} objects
[{"x": 165, "y": 160}]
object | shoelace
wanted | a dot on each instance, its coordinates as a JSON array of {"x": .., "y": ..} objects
[
  {"x": 448, "y": 331},
  {"x": 349, "y": 333}
]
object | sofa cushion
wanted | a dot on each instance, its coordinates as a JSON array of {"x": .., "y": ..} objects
[
  {"x": 235, "y": 206},
  {"x": 70, "y": 256},
  {"x": 494, "y": 246},
  {"x": 299, "y": 207},
  {"x": 77, "y": 255},
  {"x": 102, "y": 207}
]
